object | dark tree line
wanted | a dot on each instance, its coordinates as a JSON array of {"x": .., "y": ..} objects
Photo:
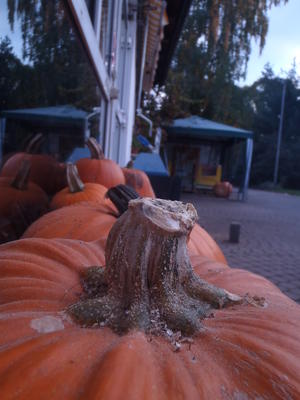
[
  {"x": 266, "y": 96},
  {"x": 211, "y": 57}
]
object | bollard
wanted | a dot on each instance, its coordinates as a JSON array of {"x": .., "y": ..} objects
[{"x": 234, "y": 232}]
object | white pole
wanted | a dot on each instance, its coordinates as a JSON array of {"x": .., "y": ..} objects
[
  {"x": 249, "y": 151},
  {"x": 279, "y": 136}
]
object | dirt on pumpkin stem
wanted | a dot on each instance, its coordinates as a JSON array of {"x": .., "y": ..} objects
[{"x": 148, "y": 282}]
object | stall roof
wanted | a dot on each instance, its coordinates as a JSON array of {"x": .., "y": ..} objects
[
  {"x": 197, "y": 127},
  {"x": 49, "y": 115},
  {"x": 151, "y": 164}
]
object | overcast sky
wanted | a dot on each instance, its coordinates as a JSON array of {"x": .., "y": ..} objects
[
  {"x": 282, "y": 42},
  {"x": 16, "y": 35}
]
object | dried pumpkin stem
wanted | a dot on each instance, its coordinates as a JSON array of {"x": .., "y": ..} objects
[
  {"x": 148, "y": 281},
  {"x": 95, "y": 149},
  {"x": 75, "y": 184},
  {"x": 34, "y": 143},
  {"x": 21, "y": 179},
  {"x": 120, "y": 195}
]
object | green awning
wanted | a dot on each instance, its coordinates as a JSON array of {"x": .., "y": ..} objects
[{"x": 200, "y": 128}]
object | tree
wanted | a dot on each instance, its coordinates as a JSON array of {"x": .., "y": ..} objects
[
  {"x": 266, "y": 97},
  {"x": 16, "y": 79},
  {"x": 213, "y": 53}
]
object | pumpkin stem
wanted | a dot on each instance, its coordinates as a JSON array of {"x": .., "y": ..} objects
[
  {"x": 148, "y": 282},
  {"x": 75, "y": 184},
  {"x": 120, "y": 196},
  {"x": 21, "y": 179},
  {"x": 95, "y": 149},
  {"x": 34, "y": 143}
]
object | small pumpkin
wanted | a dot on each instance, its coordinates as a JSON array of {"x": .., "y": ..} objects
[
  {"x": 222, "y": 189},
  {"x": 139, "y": 181},
  {"x": 45, "y": 171},
  {"x": 99, "y": 169},
  {"x": 163, "y": 331},
  {"x": 21, "y": 203},
  {"x": 77, "y": 191}
]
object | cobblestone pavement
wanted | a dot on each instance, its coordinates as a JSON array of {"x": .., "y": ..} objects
[{"x": 269, "y": 238}]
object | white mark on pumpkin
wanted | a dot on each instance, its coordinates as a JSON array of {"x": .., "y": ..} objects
[{"x": 47, "y": 324}]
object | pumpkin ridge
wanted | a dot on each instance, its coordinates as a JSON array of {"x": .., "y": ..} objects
[
  {"x": 30, "y": 269},
  {"x": 70, "y": 374},
  {"x": 27, "y": 281},
  {"x": 30, "y": 305}
]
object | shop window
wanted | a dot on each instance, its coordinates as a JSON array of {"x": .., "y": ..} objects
[
  {"x": 44, "y": 65},
  {"x": 48, "y": 91}
]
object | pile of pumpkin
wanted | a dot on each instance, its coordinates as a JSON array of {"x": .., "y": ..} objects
[{"x": 166, "y": 318}]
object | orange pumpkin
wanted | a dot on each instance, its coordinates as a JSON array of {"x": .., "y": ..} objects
[
  {"x": 45, "y": 171},
  {"x": 21, "y": 202},
  {"x": 99, "y": 169},
  {"x": 222, "y": 189},
  {"x": 83, "y": 221},
  {"x": 139, "y": 181},
  {"x": 248, "y": 348},
  {"x": 202, "y": 244},
  {"x": 77, "y": 192}
]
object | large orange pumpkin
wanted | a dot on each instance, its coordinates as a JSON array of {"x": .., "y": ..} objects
[
  {"x": 248, "y": 348},
  {"x": 139, "y": 181},
  {"x": 99, "y": 169},
  {"x": 77, "y": 192},
  {"x": 45, "y": 171},
  {"x": 84, "y": 221},
  {"x": 202, "y": 244},
  {"x": 21, "y": 202}
]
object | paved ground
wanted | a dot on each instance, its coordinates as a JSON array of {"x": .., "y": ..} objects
[{"x": 269, "y": 238}]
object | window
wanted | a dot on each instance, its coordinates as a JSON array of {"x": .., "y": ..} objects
[{"x": 44, "y": 67}]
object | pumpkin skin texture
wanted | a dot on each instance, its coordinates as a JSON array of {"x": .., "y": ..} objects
[
  {"x": 99, "y": 169},
  {"x": 93, "y": 192},
  {"x": 202, "y": 244},
  {"x": 85, "y": 221},
  {"x": 21, "y": 202},
  {"x": 77, "y": 192},
  {"x": 139, "y": 181},
  {"x": 244, "y": 352}
]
